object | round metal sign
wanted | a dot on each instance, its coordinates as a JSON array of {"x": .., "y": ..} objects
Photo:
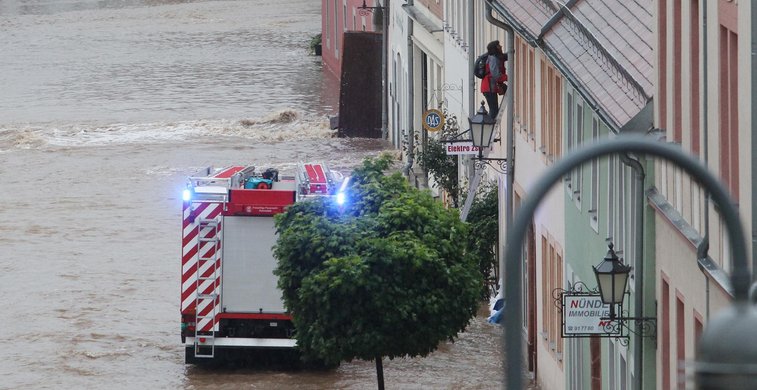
[{"x": 433, "y": 120}]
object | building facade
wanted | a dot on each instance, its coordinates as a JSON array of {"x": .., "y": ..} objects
[
  {"x": 571, "y": 87},
  {"x": 703, "y": 67},
  {"x": 416, "y": 76},
  {"x": 678, "y": 71},
  {"x": 338, "y": 16}
]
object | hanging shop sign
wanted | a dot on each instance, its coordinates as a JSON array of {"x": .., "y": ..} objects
[
  {"x": 585, "y": 315},
  {"x": 433, "y": 120},
  {"x": 460, "y": 147}
]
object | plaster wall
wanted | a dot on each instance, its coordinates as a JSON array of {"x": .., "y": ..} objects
[
  {"x": 677, "y": 264},
  {"x": 549, "y": 222}
]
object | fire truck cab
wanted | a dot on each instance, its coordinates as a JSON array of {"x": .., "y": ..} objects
[{"x": 229, "y": 294}]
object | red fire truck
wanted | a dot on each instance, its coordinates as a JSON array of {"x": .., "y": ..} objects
[{"x": 229, "y": 298}]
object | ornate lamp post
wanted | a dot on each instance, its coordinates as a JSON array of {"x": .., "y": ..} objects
[
  {"x": 482, "y": 130},
  {"x": 612, "y": 278}
]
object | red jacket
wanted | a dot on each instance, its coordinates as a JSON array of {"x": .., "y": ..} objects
[{"x": 495, "y": 77}]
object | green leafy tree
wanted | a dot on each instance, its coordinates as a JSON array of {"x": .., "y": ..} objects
[
  {"x": 483, "y": 219},
  {"x": 384, "y": 276},
  {"x": 435, "y": 160}
]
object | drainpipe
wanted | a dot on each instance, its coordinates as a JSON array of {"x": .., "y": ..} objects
[
  {"x": 704, "y": 245},
  {"x": 471, "y": 59},
  {"x": 410, "y": 101},
  {"x": 510, "y": 144},
  {"x": 754, "y": 147},
  {"x": 385, "y": 70},
  {"x": 638, "y": 342}
]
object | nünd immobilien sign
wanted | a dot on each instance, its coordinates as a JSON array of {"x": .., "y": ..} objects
[{"x": 586, "y": 315}]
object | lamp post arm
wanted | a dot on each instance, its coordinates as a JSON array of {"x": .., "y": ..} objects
[{"x": 740, "y": 275}]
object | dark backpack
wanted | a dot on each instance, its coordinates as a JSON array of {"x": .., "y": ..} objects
[{"x": 479, "y": 67}]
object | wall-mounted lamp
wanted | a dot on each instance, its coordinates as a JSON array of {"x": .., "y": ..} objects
[
  {"x": 482, "y": 131},
  {"x": 612, "y": 278}
]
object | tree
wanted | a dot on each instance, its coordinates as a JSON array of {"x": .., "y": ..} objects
[
  {"x": 443, "y": 167},
  {"x": 385, "y": 276},
  {"x": 483, "y": 219}
]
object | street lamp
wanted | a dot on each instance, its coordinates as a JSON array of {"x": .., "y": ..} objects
[
  {"x": 482, "y": 131},
  {"x": 482, "y": 128},
  {"x": 612, "y": 278}
]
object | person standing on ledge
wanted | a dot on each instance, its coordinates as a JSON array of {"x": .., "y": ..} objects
[{"x": 493, "y": 83}]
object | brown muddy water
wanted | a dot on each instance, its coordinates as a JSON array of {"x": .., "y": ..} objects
[{"x": 106, "y": 107}]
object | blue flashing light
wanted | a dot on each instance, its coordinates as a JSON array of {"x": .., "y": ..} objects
[
  {"x": 186, "y": 195},
  {"x": 340, "y": 198}
]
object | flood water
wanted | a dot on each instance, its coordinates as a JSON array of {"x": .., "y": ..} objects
[{"x": 106, "y": 106}]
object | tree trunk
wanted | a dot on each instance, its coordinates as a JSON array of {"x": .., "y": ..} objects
[{"x": 379, "y": 373}]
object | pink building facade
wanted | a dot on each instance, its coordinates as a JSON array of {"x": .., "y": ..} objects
[{"x": 337, "y": 17}]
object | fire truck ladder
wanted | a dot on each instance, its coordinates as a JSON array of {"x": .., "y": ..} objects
[{"x": 209, "y": 234}]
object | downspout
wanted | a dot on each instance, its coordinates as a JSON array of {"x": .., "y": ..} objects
[
  {"x": 410, "y": 101},
  {"x": 704, "y": 245},
  {"x": 385, "y": 71},
  {"x": 754, "y": 147},
  {"x": 638, "y": 341},
  {"x": 471, "y": 60},
  {"x": 510, "y": 144}
]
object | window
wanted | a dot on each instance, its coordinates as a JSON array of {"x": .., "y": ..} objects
[
  {"x": 569, "y": 136},
  {"x": 552, "y": 278},
  {"x": 631, "y": 216},
  {"x": 531, "y": 93},
  {"x": 545, "y": 80},
  {"x": 662, "y": 49},
  {"x": 729, "y": 121},
  {"x": 611, "y": 362},
  {"x": 336, "y": 29},
  {"x": 665, "y": 339},
  {"x": 619, "y": 211},
  {"x": 623, "y": 373},
  {"x": 575, "y": 350},
  {"x": 555, "y": 150},
  {"x": 545, "y": 294},
  {"x": 617, "y": 366},
  {"x": 680, "y": 344},
  {"x": 611, "y": 184},
  {"x": 328, "y": 23},
  {"x": 677, "y": 77},
  {"x": 698, "y": 327},
  {"x": 525, "y": 101},
  {"x": 578, "y": 172},
  {"x": 594, "y": 207},
  {"x": 695, "y": 76},
  {"x": 551, "y": 111}
]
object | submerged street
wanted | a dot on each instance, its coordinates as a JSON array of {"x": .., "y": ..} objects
[{"x": 107, "y": 107}]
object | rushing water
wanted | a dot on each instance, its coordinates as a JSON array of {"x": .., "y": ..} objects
[{"x": 105, "y": 107}]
